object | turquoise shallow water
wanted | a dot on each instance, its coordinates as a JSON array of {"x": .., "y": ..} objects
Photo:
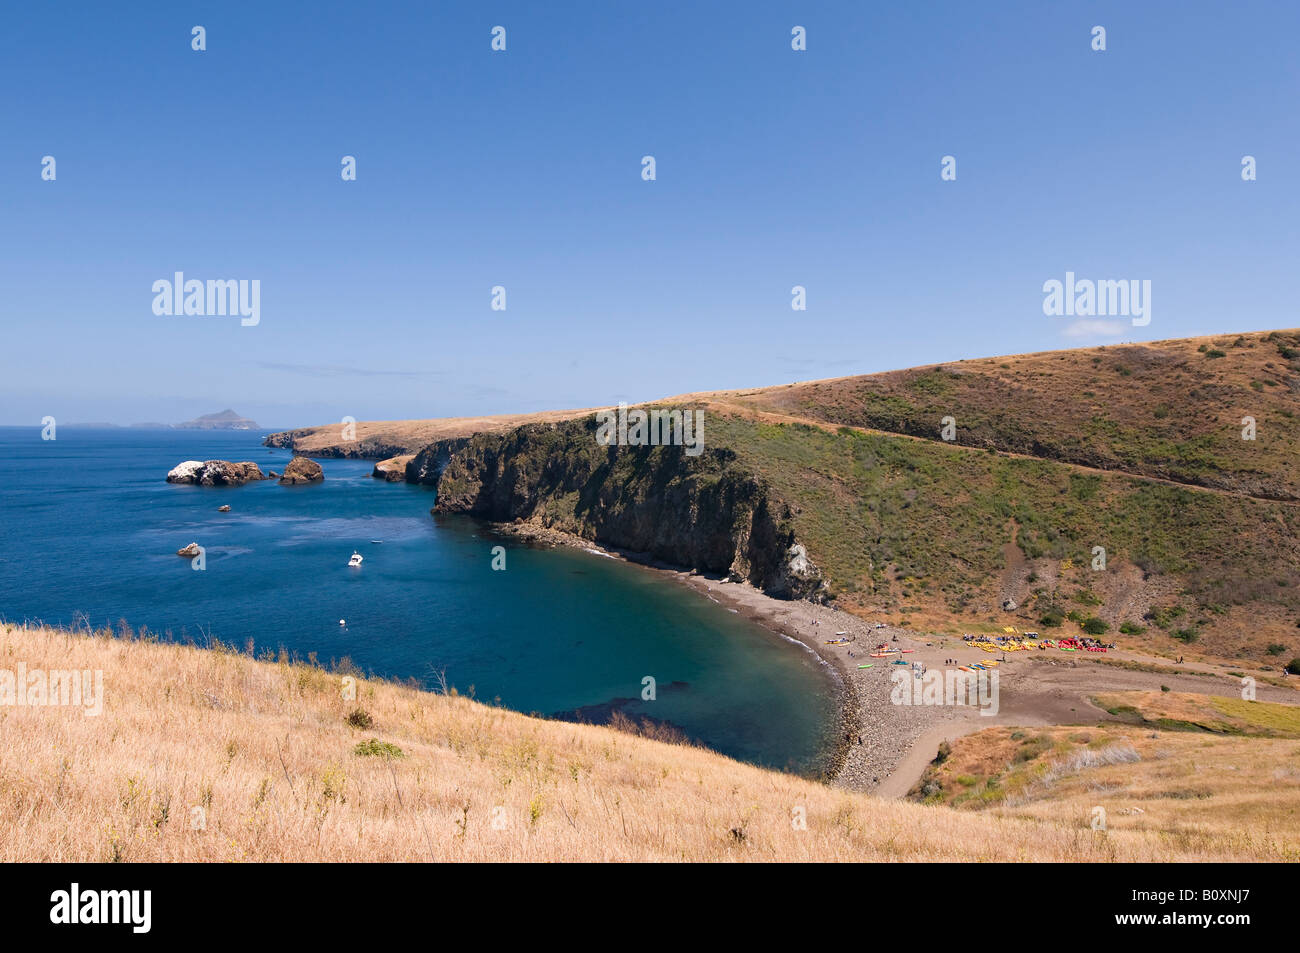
[{"x": 90, "y": 527}]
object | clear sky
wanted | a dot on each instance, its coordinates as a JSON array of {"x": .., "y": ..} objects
[{"x": 522, "y": 168}]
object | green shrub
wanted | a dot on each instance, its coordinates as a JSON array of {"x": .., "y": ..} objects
[
  {"x": 1132, "y": 628},
  {"x": 1293, "y": 666},
  {"x": 1052, "y": 618},
  {"x": 376, "y": 748},
  {"x": 360, "y": 718},
  {"x": 1164, "y": 616},
  {"x": 1095, "y": 626}
]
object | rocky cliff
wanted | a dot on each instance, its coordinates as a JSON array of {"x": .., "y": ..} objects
[
  {"x": 705, "y": 512},
  {"x": 308, "y": 439},
  {"x": 427, "y": 465}
]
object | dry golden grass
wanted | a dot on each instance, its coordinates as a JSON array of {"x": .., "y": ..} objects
[
  {"x": 264, "y": 748},
  {"x": 1194, "y": 791},
  {"x": 1183, "y": 710},
  {"x": 415, "y": 435}
]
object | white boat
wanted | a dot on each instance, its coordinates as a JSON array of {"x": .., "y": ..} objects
[{"x": 355, "y": 561}]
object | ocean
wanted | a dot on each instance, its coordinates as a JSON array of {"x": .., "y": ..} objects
[{"x": 91, "y": 529}]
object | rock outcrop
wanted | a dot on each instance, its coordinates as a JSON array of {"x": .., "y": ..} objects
[
  {"x": 302, "y": 470},
  {"x": 189, "y": 552},
  {"x": 393, "y": 469},
  {"x": 369, "y": 448},
  {"x": 705, "y": 512},
  {"x": 215, "y": 473},
  {"x": 426, "y": 466}
]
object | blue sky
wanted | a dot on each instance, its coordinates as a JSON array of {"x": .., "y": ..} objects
[{"x": 775, "y": 168}]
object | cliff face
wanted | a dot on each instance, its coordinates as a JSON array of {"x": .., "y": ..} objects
[
  {"x": 705, "y": 512},
  {"x": 368, "y": 448},
  {"x": 427, "y": 465}
]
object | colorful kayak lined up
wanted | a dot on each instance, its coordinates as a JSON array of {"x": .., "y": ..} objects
[{"x": 1030, "y": 640}]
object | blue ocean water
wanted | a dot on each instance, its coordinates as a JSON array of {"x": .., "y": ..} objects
[{"x": 91, "y": 528}]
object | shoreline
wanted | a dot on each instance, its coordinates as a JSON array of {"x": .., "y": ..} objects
[
  {"x": 836, "y": 676},
  {"x": 873, "y": 737},
  {"x": 883, "y": 748}
]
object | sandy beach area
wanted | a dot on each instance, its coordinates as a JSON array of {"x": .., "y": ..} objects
[{"x": 882, "y": 747}]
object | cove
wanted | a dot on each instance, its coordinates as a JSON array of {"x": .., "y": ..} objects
[{"x": 91, "y": 530}]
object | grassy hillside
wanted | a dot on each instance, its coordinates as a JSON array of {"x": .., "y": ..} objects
[
  {"x": 281, "y": 766},
  {"x": 378, "y": 439},
  {"x": 1195, "y": 788},
  {"x": 1210, "y": 713},
  {"x": 935, "y": 534},
  {"x": 1167, "y": 409}
]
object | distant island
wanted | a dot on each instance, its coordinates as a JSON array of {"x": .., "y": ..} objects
[{"x": 226, "y": 420}]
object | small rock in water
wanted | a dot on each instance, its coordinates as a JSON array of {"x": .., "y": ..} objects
[
  {"x": 301, "y": 470},
  {"x": 189, "y": 552},
  {"x": 224, "y": 509}
]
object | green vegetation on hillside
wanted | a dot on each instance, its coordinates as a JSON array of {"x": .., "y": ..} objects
[
  {"x": 1157, "y": 409},
  {"x": 876, "y": 510}
]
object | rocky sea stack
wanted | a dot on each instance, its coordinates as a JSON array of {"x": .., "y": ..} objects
[
  {"x": 393, "y": 469},
  {"x": 215, "y": 473},
  {"x": 302, "y": 470}
]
